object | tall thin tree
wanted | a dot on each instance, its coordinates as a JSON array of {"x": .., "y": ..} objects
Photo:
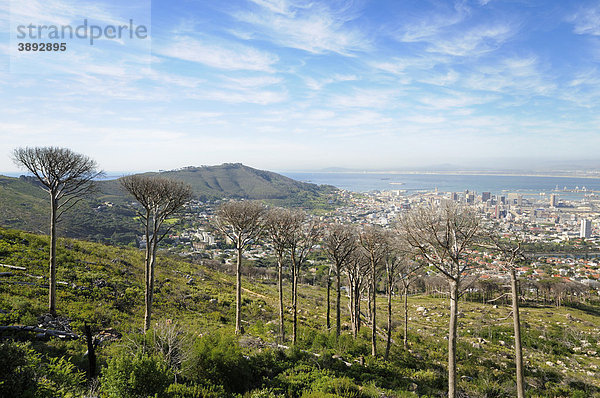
[
  {"x": 357, "y": 269},
  {"x": 242, "y": 222},
  {"x": 278, "y": 224},
  {"x": 68, "y": 177},
  {"x": 302, "y": 238},
  {"x": 512, "y": 254},
  {"x": 444, "y": 235},
  {"x": 159, "y": 198},
  {"x": 340, "y": 242},
  {"x": 375, "y": 244},
  {"x": 409, "y": 270}
]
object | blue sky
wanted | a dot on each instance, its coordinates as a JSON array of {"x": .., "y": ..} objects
[{"x": 298, "y": 85}]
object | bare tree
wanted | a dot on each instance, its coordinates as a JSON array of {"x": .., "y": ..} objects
[
  {"x": 159, "y": 198},
  {"x": 242, "y": 222},
  {"x": 68, "y": 177},
  {"x": 443, "y": 235},
  {"x": 279, "y": 223},
  {"x": 340, "y": 243},
  {"x": 375, "y": 244},
  {"x": 302, "y": 238},
  {"x": 511, "y": 252},
  {"x": 392, "y": 261},
  {"x": 357, "y": 270},
  {"x": 408, "y": 272}
]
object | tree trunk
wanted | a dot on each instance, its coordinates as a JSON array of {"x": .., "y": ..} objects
[
  {"x": 91, "y": 353},
  {"x": 517, "y": 328},
  {"x": 374, "y": 311},
  {"x": 452, "y": 327},
  {"x": 351, "y": 305},
  {"x": 296, "y": 271},
  {"x": 147, "y": 305},
  {"x": 357, "y": 303},
  {"x": 405, "y": 317},
  {"x": 52, "y": 281},
  {"x": 280, "y": 286},
  {"x": 329, "y": 300},
  {"x": 338, "y": 305},
  {"x": 389, "y": 320},
  {"x": 238, "y": 291},
  {"x": 150, "y": 295}
]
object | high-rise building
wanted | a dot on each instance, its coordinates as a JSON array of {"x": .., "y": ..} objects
[
  {"x": 553, "y": 200},
  {"x": 485, "y": 196},
  {"x": 586, "y": 229}
]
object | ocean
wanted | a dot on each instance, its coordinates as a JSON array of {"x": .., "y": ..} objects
[{"x": 497, "y": 184}]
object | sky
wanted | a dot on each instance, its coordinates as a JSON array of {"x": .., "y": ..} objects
[{"x": 305, "y": 85}]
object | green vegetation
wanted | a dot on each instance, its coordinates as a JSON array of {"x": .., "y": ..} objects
[
  {"x": 191, "y": 350},
  {"x": 234, "y": 180},
  {"x": 107, "y": 217}
]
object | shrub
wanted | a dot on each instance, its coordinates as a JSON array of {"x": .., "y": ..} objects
[
  {"x": 176, "y": 390},
  {"x": 18, "y": 364},
  {"x": 217, "y": 359},
  {"x": 141, "y": 375}
]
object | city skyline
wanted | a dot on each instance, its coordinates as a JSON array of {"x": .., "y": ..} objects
[{"x": 293, "y": 85}]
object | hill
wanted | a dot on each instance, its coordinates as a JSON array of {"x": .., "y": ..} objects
[
  {"x": 103, "y": 286},
  {"x": 234, "y": 180},
  {"x": 107, "y": 217}
]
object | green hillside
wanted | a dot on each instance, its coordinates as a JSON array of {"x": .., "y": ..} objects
[
  {"x": 24, "y": 205},
  {"x": 195, "y": 305},
  {"x": 234, "y": 180}
]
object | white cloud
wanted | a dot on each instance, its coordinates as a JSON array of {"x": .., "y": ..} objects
[
  {"x": 511, "y": 76},
  {"x": 308, "y": 26},
  {"x": 251, "y": 81},
  {"x": 474, "y": 41},
  {"x": 224, "y": 55},
  {"x": 317, "y": 84},
  {"x": 454, "y": 99},
  {"x": 364, "y": 98},
  {"x": 263, "y": 97},
  {"x": 586, "y": 21},
  {"x": 432, "y": 24}
]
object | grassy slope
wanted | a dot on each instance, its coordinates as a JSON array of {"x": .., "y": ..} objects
[
  {"x": 24, "y": 205},
  {"x": 104, "y": 288},
  {"x": 239, "y": 181}
]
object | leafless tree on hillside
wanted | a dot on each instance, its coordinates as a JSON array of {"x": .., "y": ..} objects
[
  {"x": 357, "y": 271},
  {"x": 302, "y": 238},
  {"x": 375, "y": 243},
  {"x": 340, "y": 242},
  {"x": 444, "y": 235},
  {"x": 160, "y": 198},
  {"x": 278, "y": 224},
  {"x": 68, "y": 177},
  {"x": 242, "y": 222}
]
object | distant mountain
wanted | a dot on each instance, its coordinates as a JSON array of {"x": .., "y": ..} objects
[
  {"x": 234, "y": 180},
  {"x": 24, "y": 205}
]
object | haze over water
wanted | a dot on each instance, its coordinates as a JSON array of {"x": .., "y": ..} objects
[{"x": 364, "y": 182}]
